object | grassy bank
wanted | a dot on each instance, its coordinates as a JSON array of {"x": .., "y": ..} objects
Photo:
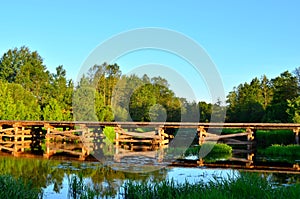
[{"x": 247, "y": 185}]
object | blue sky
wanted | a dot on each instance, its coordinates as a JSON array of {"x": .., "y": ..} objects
[{"x": 245, "y": 39}]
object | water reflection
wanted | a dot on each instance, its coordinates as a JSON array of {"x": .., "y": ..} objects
[{"x": 53, "y": 176}]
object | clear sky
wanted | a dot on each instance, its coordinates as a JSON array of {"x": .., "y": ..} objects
[{"x": 245, "y": 39}]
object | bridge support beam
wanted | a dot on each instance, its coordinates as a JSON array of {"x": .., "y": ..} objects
[
  {"x": 201, "y": 133},
  {"x": 296, "y": 131}
]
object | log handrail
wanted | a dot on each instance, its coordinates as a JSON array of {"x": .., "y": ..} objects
[{"x": 154, "y": 124}]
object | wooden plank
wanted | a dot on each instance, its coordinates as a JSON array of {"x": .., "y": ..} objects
[
  {"x": 66, "y": 151},
  {"x": 151, "y": 134},
  {"x": 15, "y": 142},
  {"x": 240, "y": 160},
  {"x": 7, "y": 148},
  {"x": 135, "y": 141},
  {"x": 149, "y": 124},
  {"x": 225, "y": 136},
  {"x": 8, "y": 129}
]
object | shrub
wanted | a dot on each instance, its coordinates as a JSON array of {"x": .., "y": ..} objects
[{"x": 110, "y": 133}]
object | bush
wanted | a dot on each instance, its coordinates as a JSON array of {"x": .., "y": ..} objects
[{"x": 110, "y": 134}]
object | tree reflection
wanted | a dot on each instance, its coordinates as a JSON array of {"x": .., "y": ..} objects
[{"x": 42, "y": 173}]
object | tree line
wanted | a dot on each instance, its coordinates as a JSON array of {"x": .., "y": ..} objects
[
  {"x": 266, "y": 100},
  {"x": 30, "y": 92}
]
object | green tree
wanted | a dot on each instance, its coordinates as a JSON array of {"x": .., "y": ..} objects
[
  {"x": 246, "y": 102},
  {"x": 17, "y": 104},
  {"x": 59, "y": 97},
  {"x": 84, "y": 101},
  {"x": 26, "y": 68},
  {"x": 294, "y": 110},
  {"x": 285, "y": 87}
]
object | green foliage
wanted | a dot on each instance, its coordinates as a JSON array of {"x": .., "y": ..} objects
[
  {"x": 54, "y": 112},
  {"x": 17, "y": 104},
  {"x": 246, "y": 185},
  {"x": 265, "y": 100},
  {"x": 83, "y": 103},
  {"x": 31, "y": 92},
  {"x": 17, "y": 188},
  {"x": 110, "y": 134},
  {"x": 266, "y": 138},
  {"x": 247, "y": 101},
  {"x": 294, "y": 110}
]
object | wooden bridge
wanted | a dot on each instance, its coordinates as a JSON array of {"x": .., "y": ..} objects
[{"x": 18, "y": 136}]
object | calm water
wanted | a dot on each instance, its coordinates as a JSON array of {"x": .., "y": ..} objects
[{"x": 53, "y": 176}]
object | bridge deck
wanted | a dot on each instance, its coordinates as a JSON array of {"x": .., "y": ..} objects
[{"x": 153, "y": 124}]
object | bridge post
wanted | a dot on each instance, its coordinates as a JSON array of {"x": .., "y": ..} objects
[
  {"x": 0, "y": 137},
  {"x": 117, "y": 129},
  {"x": 161, "y": 135},
  {"x": 201, "y": 134},
  {"x": 16, "y": 137},
  {"x": 250, "y": 137},
  {"x": 296, "y": 131},
  {"x": 22, "y": 140}
]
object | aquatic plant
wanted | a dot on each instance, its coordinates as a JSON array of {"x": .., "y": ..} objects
[
  {"x": 17, "y": 188},
  {"x": 217, "y": 148},
  {"x": 281, "y": 150},
  {"x": 246, "y": 185}
]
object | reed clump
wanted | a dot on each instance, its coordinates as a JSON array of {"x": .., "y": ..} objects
[
  {"x": 16, "y": 188},
  {"x": 246, "y": 185}
]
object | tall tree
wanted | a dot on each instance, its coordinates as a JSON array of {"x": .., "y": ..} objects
[
  {"x": 285, "y": 87},
  {"x": 17, "y": 104},
  {"x": 27, "y": 69},
  {"x": 59, "y": 101}
]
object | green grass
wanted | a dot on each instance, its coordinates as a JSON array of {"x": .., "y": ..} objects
[
  {"x": 217, "y": 148},
  {"x": 277, "y": 150},
  {"x": 218, "y": 151},
  {"x": 231, "y": 131},
  {"x": 11, "y": 188},
  {"x": 247, "y": 185},
  {"x": 266, "y": 138},
  {"x": 79, "y": 190}
]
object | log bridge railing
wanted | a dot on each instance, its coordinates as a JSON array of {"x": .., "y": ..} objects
[{"x": 17, "y": 136}]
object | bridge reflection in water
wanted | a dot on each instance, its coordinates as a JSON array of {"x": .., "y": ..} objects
[{"x": 85, "y": 140}]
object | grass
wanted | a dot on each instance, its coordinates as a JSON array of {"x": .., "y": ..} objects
[
  {"x": 79, "y": 190},
  {"x": 217, "y": 148},
  {"x": 243, "y": 185},
  {"x": 231, "y": 131},
  {"x": 11, "y": 188},
  {"x": 277, "y": 150},
  {"x": 266, "y": 138},
  {"x": 217, "y": 151},
  {"x": 247, "y": 185}
]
